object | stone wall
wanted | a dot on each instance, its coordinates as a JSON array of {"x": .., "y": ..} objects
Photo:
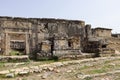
[
  {"x": 101, "y": 32},
  {"x": 34, "y": 31}
]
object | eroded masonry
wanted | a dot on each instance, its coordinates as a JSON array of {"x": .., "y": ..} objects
[{"x": 50, "y": 37}]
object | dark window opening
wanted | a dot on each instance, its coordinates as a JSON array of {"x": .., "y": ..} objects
[
  {"x": 104, "y": 46},
  {"x": 69, "y": 44}
]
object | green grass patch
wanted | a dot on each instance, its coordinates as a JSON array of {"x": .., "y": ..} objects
[
  {"x": 2, "y": 64},
  {"x": 95, "y": 71},
  {"x": 14, "y": 52},
  {"x": 108, "y": 67},
  {"x": 84, "y": 67},
  {"x": 106, "y": 62}
]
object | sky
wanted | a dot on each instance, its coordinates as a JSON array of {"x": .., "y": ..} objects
[{"x": 98, "y": 13}]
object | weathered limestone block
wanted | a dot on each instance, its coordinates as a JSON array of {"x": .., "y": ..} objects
[
  {"x": 4, "y": 72},
  {"x": 46, "y": 46},
  {"x": 10, "y": 75},
  {"x": 62, "y": 53},
  {"x": 75, "y": 42},
  {"x": 18, "y": 24},
  {"x": 52, "y": 28},
  {"x": 60, "y": 44},
  {"x": 22, "y": 73}
]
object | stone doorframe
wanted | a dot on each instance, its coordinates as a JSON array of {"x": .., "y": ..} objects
[{"x": 7, "y": 41}]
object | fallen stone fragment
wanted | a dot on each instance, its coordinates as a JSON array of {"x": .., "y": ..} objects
[
  {"x": 58, "y": 64},
  {"x": 44, "y": 76},
  {"x": 25, "y": 68},
  {"x": 18, "y": 70},
  {"x": 37, "y": 70},
  {"x": 18, "y": 64},
  {"x": 50, "y": 68},
  {"x": 12, "y": 70},
  {"x": 19, "y": 79},
  {"x": 45, "y": 68},
  {"x": 82, "y": 76},
  {"x": 69, "y": 71},
  {"x": 56, "y": 70},
  {"x": 10, "y": 75},
  {"x": 23, "y": 73},
  {"x": 4, "y": 72}
]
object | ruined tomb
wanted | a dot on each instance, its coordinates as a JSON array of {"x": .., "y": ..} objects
[{"x": 42, "y": 37}]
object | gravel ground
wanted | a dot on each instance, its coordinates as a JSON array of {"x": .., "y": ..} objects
[{"x": 98, "y": 69}]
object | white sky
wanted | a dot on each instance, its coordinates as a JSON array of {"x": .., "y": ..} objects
[{"x": 98, "y": 13}]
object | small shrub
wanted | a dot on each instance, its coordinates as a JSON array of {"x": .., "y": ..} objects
[
  {"x": 55, "y": 58},
  {"x": 96, "y": 55}
]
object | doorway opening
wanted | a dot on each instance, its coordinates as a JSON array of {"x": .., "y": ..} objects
[{"x": 17, "y": 47}]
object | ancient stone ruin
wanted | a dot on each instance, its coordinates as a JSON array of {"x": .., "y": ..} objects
[{"x": 41, "y": 37}]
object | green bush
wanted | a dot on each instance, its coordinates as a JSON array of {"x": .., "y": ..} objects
[{"x": 55, "y": 58}]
